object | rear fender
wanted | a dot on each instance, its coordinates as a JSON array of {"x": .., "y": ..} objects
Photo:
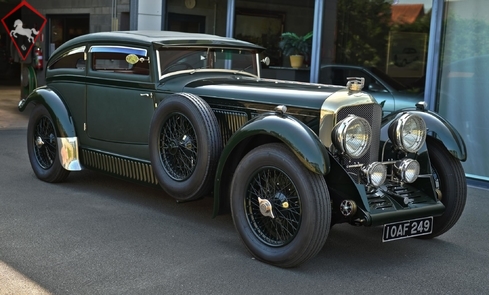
[
  {"x": 301, "y": 140},
  {"x": 63, "y": 124}
]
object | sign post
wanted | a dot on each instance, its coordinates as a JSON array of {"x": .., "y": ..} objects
[{"x": 24, "y": 24}]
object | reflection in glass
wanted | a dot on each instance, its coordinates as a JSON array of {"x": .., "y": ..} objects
[{"x": 463, "y": 75}]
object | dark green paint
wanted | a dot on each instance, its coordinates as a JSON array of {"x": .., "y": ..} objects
[
  {"x": 121, "y": 150},
  {"x": 343, "y": 187},
  {"x": 438, "y": 128},
  {"x": 421, "y": 210},
  {"x": 242, "y": 88},
  {"x": 297, "y": 136},
  {"x": 59, "y": 113}
]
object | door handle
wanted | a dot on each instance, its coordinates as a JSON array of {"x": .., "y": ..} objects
[{"x": 146, "y": 94}]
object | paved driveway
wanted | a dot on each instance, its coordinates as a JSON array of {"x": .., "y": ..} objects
[{"x": 10, "y": 117}]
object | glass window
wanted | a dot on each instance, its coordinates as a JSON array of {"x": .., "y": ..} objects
[
  {"x": 263, "y": 22},
  {"x": 178, "y": 59},
  {"x": 186, "y": 23},
  {"x": 72, "y": 59},
  {"x": 464, "y": 69},
  {"x": 206, "y": 17},
  {"x": 120, "y": 59},
  {"x": 66, "y": 27},
  {"x": 383, "y": 41}
]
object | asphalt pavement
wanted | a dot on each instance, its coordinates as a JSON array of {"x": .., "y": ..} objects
[
  {"x": 95, "y": 234},
  {"x": 12, "y": 281},
  {"x": 10, "y": 117}
]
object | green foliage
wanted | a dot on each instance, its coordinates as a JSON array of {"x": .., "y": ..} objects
[
  {"x": 363, "y": 30},
  {"x": 293, "y": 44}
]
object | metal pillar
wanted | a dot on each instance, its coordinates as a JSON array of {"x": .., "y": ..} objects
[
  {"x": 230, "y": 18},
  {"x": 433, "y": 58},
  {"x": 316, "y": 41}
]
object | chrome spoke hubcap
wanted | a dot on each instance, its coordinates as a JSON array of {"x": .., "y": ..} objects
[
  {"x": 39, "y": 142},
  {"x": 265, "y": 207}
]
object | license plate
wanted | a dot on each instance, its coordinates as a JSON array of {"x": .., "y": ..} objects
[{"x": 407, "y": 229}]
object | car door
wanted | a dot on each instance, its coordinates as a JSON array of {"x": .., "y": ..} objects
[{"x": 119, "y": 94}]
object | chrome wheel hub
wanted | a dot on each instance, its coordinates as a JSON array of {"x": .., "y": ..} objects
[
  {"x": 348, "y": 207},
  {"x": 265, "y": 207},
  {"x": 39, "y": 142}
]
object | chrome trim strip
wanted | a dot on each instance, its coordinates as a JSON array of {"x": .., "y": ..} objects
[
  {"x": 118, "y": 49},
  {"x": 332, "y": 105},
  {"x": 68, "y": 153},
  {"x": 193, "y": 71}
]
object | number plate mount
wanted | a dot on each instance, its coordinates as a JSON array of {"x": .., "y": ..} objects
[{"x": 407, "y": 229}]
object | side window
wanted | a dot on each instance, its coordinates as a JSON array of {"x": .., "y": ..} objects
[
  {"x": 118, "y": 59},
  {"x": 72, "y": 59}
]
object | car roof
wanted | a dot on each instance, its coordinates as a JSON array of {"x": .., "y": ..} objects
[{"x": 164, "y": 38}]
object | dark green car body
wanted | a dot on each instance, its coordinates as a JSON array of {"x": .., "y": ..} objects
[{"x": 107, "y": 109}]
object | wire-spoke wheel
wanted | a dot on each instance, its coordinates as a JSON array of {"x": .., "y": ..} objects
[
  {"x": 42, "y": 145},
  {"x": 45, "y": 145},
  {"x": 178, "y": 147},
  {"x": 185, "y": 144},
  {"x": 273, "y": 187},
  {"x": 280, "y": 209}
]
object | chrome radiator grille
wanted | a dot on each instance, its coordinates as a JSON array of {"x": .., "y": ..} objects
[
  {"x": 373, "y": 114},
  {"x": 119, "y": 166}
]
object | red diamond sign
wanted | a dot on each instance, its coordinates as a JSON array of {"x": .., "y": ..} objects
[{"x": 24, "y": 25}]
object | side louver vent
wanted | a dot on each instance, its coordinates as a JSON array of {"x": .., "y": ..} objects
[
  {"x": 118, "y": 166},
  {"x": 229, "y": 122}
]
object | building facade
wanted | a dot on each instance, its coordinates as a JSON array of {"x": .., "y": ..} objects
[{"x": 433, "y": 49}]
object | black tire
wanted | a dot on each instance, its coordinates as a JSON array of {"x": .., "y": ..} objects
[
  {"x": 42, "y": 146},
  {"x": 185, "y": 144},
  {"x": 450, "y": 180},
  {"x": 300, "y": 202}
]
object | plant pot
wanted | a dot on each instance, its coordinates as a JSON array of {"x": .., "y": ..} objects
[{"x": 296, "y": 61}]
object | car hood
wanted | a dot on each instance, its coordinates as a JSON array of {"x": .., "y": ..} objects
[{"x": 268, "y": 91}]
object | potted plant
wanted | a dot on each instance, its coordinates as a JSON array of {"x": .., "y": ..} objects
[{"x": 295, "y": 46}]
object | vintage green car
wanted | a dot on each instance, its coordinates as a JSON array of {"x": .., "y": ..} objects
[{"x": 190, "y": 113}]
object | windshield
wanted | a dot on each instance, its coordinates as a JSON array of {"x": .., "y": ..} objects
[{"x": 180, "y": 59}]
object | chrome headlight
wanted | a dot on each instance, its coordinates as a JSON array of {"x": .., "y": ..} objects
[
  {"x": 408, "y": 132},
  {"x": 407, "y": 170},
  {"x": 374, "y": 173},
  {"x": 352, "y": 136}
]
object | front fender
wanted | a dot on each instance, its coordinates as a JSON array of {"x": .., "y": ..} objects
[
  {"x": 438, "y": 128},
  {"x": 63, "y": 124},
  {"x": 303, "y": 142}
]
